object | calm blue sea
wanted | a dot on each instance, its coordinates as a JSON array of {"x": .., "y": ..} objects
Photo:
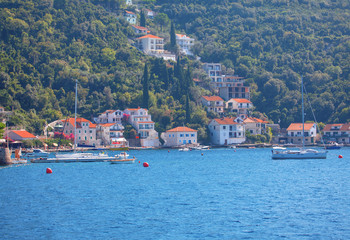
[{"x": 182, "y": 195}]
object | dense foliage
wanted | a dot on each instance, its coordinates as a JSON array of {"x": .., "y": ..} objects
[
  {"x": 46, "y": 44},
  {"x": 272, "y": 43}
]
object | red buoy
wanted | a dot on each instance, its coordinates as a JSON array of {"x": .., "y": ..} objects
[
  {"x": 145, "y": 164},
  {"x": 340, "y": 156},
  {"x": 48, "y": 170},
  {"x": 139, "y": 161}
]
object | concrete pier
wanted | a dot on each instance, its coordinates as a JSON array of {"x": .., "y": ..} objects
[{"x": 5, "y": 156}]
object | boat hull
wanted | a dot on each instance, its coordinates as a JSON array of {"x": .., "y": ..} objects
[
  {"x": 70, "y": 160},
  {"x": 300, "y": 155}
]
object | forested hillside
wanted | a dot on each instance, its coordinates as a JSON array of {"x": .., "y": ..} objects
[
  {"x": 272, "y": 43},
  {"x": 46, "y": 44}
]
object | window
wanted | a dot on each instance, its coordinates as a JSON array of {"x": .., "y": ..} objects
[
  {"x": 169, "y": 135},
  {"x": 181, "y": 135},
  {"x": 187, "y": 135},
  {"x": 224, "y": 127},
  {"x": 192, "y": 135},
  {"x": 79, "y": 131}
]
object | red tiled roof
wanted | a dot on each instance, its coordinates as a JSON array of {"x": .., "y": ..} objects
[
  {"x": 129, "y": 12},
  {"x": 212, "y": 98},
  {"x": 149, "y": 36},
  {"x": 329, "y": 126},
  {"x": 299, "y": 126},
  {"x": 197, "y": 80},
  {"x": 92, "y": 125},
  {"x": 182, "y": 129},
  {"x": 134, "y": 109},
  {"x": 345, "y": 127},
  {"x": 254, "y": 120},
  {"x": 139, "y": 27},
  {"x": 79, "y": 121},
  {"x": 107, "y": 124},
  {"x": 241, "y": 100},
  {"x": 146, "y": 122},
  {"x": 225, "y": 121},
  {"x": 23, "y": 134}
]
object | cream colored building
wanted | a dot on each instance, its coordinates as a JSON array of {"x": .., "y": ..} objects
[
  {"x": 213, "y": 103},
  {"x": 241, "y": 106},
  {"x": 86, "y": 131},
  {"x": 150, "y": 44},
  {"x": 295, "y": 130},
  {"x": 255, "y": 125},
  {"x": 179, "y": 136}
]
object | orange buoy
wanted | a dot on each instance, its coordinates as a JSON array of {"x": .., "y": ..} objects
[
  {"x": 145, "y": 164},
  {"x": 48, "y": 170},
  {"x": 340, "y": 156}
]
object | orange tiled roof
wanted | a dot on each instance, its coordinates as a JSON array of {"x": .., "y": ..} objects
[
  {"x": 254, "y": 120},
  {"x": 107, "y": 124},
  {"x": 23, "y": 134},
  {"x": 146, "y": 122},
  {"x": 329, "y": 126},
  {"x": 134, "y": 109},
  {"x": 182, "y": 129},
  {"x": 139, "y": 27},
  {"x": 241, "y": 100},
  {"x": 212, "y": 98},
  {"x": 225, "y": 121},
  {"x": 345, "y": 127},
  {"x": 299, "y": 126},
  {"x": 130, "y": 12},
  {"x": 149, "y": 36},
  {"x": 79, "y": 121}
]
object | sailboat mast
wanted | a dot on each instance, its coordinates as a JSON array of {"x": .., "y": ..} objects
[
  {"x": 302, "y": 108},
  {"x": 75, "y": 115}
]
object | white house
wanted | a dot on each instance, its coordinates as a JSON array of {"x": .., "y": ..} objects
[
  {"x": 226, "y": 131},
  {"x": 142, "y": 122},
  {"x": 339, "y": 132},
  {"x": 130, "y": 17},
  {"x": 294, "y": 133},
  {"x": 150, "y": 44},
  {"x": 139, "y": 29},
  {"x": 110, "y": 116},
  {"x": 179, "y": 136},
  {"x": 185, "y": 43},
  {"x": 213, "y": 103},
  {"x": 86, "y": 131},
  {"x": 241, "y": 106},
  {"x": 150, "y": 14},
  {"x": 255, "y": 125}
]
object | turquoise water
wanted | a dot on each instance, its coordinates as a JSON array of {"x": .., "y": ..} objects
[{"x": 182, "y": 195}]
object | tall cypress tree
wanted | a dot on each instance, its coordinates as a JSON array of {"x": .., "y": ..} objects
[
  {"x": 142, "y": 19},
  {"x": 172, "y": 36},
  {"x": 166, "y": 77},
  {"x": 188, "y": 115},
  {"x": 145, "y": 95}
]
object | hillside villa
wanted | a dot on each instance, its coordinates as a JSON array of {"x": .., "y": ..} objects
[{"x": 213, "y": 103}]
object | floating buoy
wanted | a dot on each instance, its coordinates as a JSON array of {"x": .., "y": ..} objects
[
  {"x": 340, "y": 156},
  {"x": 48, "y": 170},
  {"x": 168, "y": 151},
  {"x": 145, "y": 164},
  {"x": 202, "y": 154}
]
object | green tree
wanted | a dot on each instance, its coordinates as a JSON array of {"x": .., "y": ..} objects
[
  {"x": 142, "y": 19},
  {"x": 145, "y": 96}
]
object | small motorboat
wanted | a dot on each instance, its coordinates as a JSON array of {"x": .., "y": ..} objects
[
  {"x": 36, "y": 153},
  {"x": 184, "y": 149},
  {"x": 122, "y": 155}
]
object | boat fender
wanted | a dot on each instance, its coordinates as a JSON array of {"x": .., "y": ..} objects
[{"x": 145, "y": 164}]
